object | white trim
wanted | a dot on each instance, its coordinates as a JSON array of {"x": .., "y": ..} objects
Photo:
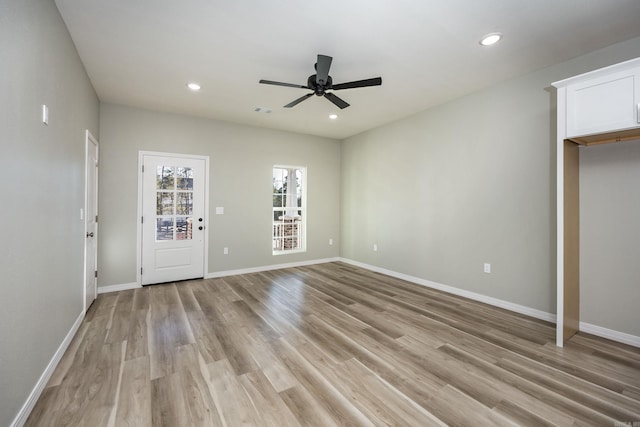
[
  {"x": 517, "y": 308},
  {"x": 89, "y": 139},
  {"x": 117, "y": 288},
  {"x": 217, "y": 274},
  {"x": 610, "y": 334},
  {"x": 561, "y": 97},
  {"x": 622, "y": 66},
  {"x": 599, "y": 331},
  {"x": 527, "y": 311},
  {"x": 26, "y": 409},
  {"x": 141, "y": 155}
]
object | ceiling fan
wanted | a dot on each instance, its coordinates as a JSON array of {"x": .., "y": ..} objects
[{"x": 321, "y": 82}]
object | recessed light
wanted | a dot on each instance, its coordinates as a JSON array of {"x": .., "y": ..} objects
[
  {"x": 193, "y": 86},
  {"x": 490, "y": 39},
  {"x": 333, "y": 116}
]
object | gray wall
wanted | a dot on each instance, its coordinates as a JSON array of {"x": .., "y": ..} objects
[
  {"x": 241, "y": 159},
  {"x": 41, "y": 266},
  {"x": 468, "y": 182},
  {"x": 609, "y": 236}
]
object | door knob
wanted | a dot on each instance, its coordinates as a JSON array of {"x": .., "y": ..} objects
[
  {"x": 200, "y": 219},
  {"x": 90, "y": 234},
  {"x": 200, "y": 228}
]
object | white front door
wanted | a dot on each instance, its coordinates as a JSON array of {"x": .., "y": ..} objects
[
  {"x": 173, "y": 218},
  {"x": 90, "y": 221}
]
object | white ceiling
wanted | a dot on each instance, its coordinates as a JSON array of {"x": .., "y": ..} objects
[{"x": 143, "y": 52}]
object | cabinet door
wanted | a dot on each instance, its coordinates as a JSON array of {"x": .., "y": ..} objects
[{"x": 603, "y": 104}]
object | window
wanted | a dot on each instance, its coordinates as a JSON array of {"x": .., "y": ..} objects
[
  {"x": 174, "y": 202},
  {"x": 289, "y": 209}
]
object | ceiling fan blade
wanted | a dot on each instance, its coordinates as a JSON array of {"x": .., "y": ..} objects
[
  {"x": 298, "y": 101},
  {"x": 270, "y": 82},
  {"x": 358, "y": 83},
  {"x": 322, "y": 69},
  {"x": 339, "y": 102}
]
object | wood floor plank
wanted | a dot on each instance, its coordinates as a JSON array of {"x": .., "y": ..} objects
[
  {"x": 522, "y": 416},
  {"x": 457, "y": 409},
  {"x": 335, "y": 404},
  {"x": 168, "y": 407},
  {"x": 266, "y": 401},
  {"x": 187, "y": 299},
  {"x": 328, "y": 345},
  {"x": 66, "y": 362},
  {"x": 134, "y": 401},
  {"x": 119, "y": 326},
  {"x": 205, "y": 337},
  {"x": 232, "y": 401},
  {"x": 141, "y": 298},
  {"x": 168, "y": 328},
  {"x": 138, "y": 333},
  {"x": 305, "y": 408},
  {"x": 193, "y": 375},
  {"x": 553, "y": 402},
  {"x": 101, "y": 398},
  {"x": 237, "y": 355},
  {"x": 71, "y": 394},
  {"x": 380, "y": 400}
]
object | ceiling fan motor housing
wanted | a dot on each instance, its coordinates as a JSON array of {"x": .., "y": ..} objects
[{"x": 319, "y": 89}]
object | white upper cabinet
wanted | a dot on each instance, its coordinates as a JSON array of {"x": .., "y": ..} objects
[{"x": 604, "y": 100}]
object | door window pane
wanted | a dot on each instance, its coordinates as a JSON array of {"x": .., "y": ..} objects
[
  {"x": 185, "y": 178},
  {"x": 164, "y": 228},
  {"x": 164, "y": 204},
  {"x": 184, "y": 228},
  {"x": 165, "y": 178},
  {"x": 184, "y": 205}
]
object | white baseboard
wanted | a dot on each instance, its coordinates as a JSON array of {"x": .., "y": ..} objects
[
  {"x": 133, "y": 285},
  {"x": 527, "y": 311},
  {"x": 610, "y": 334},
  {"x": 269, "y": 268},
  {"x": 517, "y": 308},
  {"x": 116, "y": 288},
  {"x": 26, "y": 409}
]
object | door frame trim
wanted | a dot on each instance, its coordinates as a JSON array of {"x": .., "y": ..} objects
[
  {"x": 141, "y": 155},
  {"x": 89, "y": 139}
]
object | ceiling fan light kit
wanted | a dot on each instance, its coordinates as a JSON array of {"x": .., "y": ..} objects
[{"x": 321, "y": 82}]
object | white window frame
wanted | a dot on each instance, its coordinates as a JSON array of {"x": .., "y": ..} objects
[{"x": 303, "y": 217}]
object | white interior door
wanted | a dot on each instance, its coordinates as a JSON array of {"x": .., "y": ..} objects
[
  {"x": 91, "y": 221},
  {"x": 173, "y": 221}
]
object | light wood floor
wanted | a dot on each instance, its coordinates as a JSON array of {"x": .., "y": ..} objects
[{"x": 328, "y": 345}]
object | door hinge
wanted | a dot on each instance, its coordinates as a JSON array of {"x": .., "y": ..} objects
[
  {"x": 142, "y": 168},
  {"x": 95, "y": 274},
  {"x": 141, "y": 220},
  {"x": 96, "y": 218},
  {"x": 141, "y": 271}
]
